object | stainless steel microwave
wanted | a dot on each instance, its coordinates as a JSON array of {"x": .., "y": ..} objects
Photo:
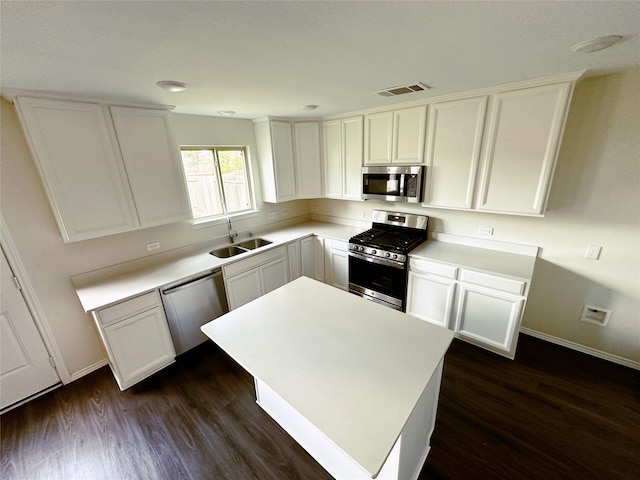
[{"x": 393, "y": 183}]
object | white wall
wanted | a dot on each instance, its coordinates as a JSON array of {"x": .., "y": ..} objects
[
  {"x": 50, "y": 262},
  {"x": 595, "y": 199}
]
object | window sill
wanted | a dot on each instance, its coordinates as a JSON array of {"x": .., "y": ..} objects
[{"x": 210, "y": 222}]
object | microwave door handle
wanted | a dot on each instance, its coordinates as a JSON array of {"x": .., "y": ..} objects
[{"x": 403, "y": 179}]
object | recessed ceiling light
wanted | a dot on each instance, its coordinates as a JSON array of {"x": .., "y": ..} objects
[
  {"x": 172, "y": 86},
  {"x": 595, "y": 44},
  {"x": 226, "y": 113},
  {"x": 310, "y": 108}
]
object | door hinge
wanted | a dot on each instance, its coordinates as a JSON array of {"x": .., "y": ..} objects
[
  {"x": 17, "y": 282},
  {"x": 53, "y": 362}
]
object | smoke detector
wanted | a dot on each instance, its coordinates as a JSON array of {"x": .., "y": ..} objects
[{"x": 402, "y": 89}]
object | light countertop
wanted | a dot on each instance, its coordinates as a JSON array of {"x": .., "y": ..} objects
[
  {"x": 476, "y": 258},
  {"x": 109, "y": 285},
  {"x": 353, "y": 368}
]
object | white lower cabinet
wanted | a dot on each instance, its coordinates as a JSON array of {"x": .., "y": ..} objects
[
  {"x": 489, "y": 318},
  {"x": 481, "y": 308},
  {"x": 252, "y": 277},
  {"x": 336, "y": 263},
  {"x": 430, "y": 298},
  {"x": 301, "y": 257},
  {"x": 136, "y": 337}
]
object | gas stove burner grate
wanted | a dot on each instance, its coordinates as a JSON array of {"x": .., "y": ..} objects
[{"x": 388, "y": 240}]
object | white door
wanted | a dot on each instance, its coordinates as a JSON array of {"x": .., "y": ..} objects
[{"x": 25, "y": 368}]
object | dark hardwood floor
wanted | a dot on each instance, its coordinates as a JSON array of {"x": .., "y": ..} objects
[{"x": 551, "y": 413}]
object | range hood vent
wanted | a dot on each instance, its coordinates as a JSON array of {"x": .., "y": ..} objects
[{"x": 402, "y": 89}]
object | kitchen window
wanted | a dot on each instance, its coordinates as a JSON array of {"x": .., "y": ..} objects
[{"x": 218, "y": 182}]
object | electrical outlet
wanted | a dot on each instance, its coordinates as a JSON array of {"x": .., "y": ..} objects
[
  {"x": 315, "y": 209},
  {"x": 488, "y": 231},
  {"x": 593, "y": 252},
  {"x": 360, "y": 215},
  {"x": 273, "y": 216},
  {"x": 153, "y": 246},
  {"x": 284, "y": 214}
]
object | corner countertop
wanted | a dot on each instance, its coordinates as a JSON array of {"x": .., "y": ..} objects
[
  {"x": 99, "y": 288},
  {"x": 484, "y": 260},
  {"x": 103, "y": 287},
  {"x": 353, "y": 368}
]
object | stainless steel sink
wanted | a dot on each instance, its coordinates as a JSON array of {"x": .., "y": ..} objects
[
  {"x": 254, "y": 243},
  {"x": 237, "y": 249},
  {"x": 229, "y": 251}
]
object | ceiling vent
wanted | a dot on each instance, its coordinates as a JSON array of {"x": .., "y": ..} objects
[{"x": 402, "y": 89}]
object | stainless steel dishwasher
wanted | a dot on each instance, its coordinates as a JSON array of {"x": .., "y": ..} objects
[{"x": 189, "y": 304}]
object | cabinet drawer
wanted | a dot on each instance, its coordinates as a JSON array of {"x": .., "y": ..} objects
[
  {"x": 125, "y": 309},
  {"x": 434, "y": 268},
  {"x": 490, "y": 281},
  {"x": 253, "y": 261}
]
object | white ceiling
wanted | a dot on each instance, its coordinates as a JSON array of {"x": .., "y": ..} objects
[{"x": 272, "y": 57}]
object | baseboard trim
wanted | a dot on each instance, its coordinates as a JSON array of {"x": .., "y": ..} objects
[
  {"x": 88, "y": 370},
  {"x": 581, "y": 348}
]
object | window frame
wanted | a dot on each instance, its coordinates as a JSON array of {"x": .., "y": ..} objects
[{"x": 252, "y": 211}]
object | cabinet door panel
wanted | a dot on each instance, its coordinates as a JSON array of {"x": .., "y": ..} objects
[
  {"x": 307, "y": 257},
  {"x": 243, "y": 288},
  {"x": 430, "y": 298},
  {"x": 488, "y": 318},
  {"x": 378, "y": 138},
  {"x": 151, "y": 157},
  {"x": 522, "y": 147},
  {"x": 336, "y": 263},
  {"x": 274, "y": 275},
  {"x": 293, "y": 258},
  {"x": 282, "y": 144},
  {"x": 408, "y": 135},
  {"x": 81, "y": 170},
  {"x": 140, "y": 345},
  {"x": 308, "y": 161},
  {"x": 333, "y": 158},
  {"x": 352, "y": 133},
  {"x": 454, "y": 141}
]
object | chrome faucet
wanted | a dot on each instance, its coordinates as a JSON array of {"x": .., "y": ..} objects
[{"x": 232, "y": 233}]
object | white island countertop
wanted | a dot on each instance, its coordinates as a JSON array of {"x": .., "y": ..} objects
[{"x": 353, "y": 368}]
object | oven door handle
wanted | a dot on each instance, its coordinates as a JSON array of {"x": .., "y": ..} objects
[{"x": 378, "y": 260}]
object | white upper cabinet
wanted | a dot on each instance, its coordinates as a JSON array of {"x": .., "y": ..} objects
[
  {"x": 274, "y": 141},
  {"x": 396, "y": 136},
  {"x": 99, "y": 182},
  {"x": 523, "y": 138},
  {"x": 290, "y": 159},
  {"x": 497, "y": 152},
  {"x": 453, "y": 152},
  {"x": 82, "y": 171},
  {"x": 308, "y": 159},
  {"x": 151, "y": 157},
  {"x": 343, "y": 157},
  {"x": 378, "y": 138}
]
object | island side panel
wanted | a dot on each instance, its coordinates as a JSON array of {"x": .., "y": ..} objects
[
  {"x": 415, "y": 440},
  {"x": 331, "y": 457}
]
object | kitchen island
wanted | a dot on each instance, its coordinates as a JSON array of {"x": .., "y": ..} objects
[{"x": 354, "y": 383}]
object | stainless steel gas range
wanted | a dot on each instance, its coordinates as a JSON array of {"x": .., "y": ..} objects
[{"x": 378, "y": 257}]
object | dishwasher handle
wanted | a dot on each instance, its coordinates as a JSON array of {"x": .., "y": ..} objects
[{"x": 189, "y": 283}]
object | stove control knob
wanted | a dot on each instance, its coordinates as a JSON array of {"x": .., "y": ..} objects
[
  {"x": 373, "y": 252},
  {"x": 361, "y": 249},
  {"x": 395, "y": 256},
  {"x": 387, "y": 254}
]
